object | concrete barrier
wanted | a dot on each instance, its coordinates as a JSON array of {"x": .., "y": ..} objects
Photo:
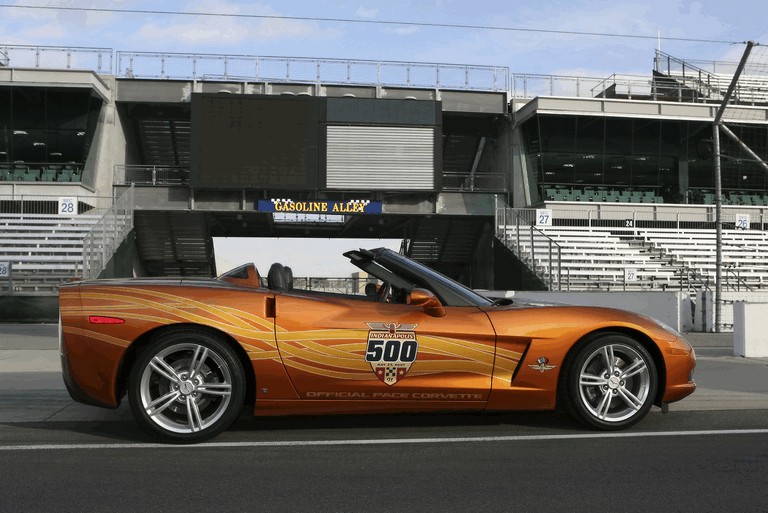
[{"x": 750, "y": 329}]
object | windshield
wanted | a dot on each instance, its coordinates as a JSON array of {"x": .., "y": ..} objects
[{"x": 415, "y": 274}]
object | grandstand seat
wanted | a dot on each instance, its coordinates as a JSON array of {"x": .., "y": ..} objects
[
  {"x": 31, "y": 175},
  {"x": 63, "y": 175},
  {"x": 48, "y": 174},
  {"x": 45, "y": 249},
  {"x": 18, "y": 172},
  {"x": 596, "y": 257}
]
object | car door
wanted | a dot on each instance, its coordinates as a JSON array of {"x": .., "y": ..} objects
[{"x": 339, "y": 348}]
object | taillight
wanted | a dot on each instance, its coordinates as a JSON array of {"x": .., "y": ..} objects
[{"x": 100, "y": 319}]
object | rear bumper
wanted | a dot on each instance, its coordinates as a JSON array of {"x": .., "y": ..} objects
[{"x": 75, "y": 391}]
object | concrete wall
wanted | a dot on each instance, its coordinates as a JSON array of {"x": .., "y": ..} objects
[
  {"x": 29, "y": 308},
  {"x": 750, "y": 329},
  {"x": 107, "y": 147},
  {"x": 705, "y": 311}
]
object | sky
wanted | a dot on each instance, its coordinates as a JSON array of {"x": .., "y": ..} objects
[
  {"x": 523, "y": 51},
  {"x": 529, "y": 37},
  {"x": 319, "y": 258}
]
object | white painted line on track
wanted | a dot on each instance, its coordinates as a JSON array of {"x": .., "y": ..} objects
[{"x": 388, "y": 441}]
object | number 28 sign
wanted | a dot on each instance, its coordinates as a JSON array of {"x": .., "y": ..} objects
[{"x": 67, "y": 206}]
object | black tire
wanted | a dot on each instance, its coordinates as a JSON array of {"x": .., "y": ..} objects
[
  {"x": 186, "y": 386},
  {"x": 609, "y": 396}
]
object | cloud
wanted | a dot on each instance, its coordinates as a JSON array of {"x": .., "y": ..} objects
[
  {"x": 403, "y": 30},
  {"x": 362, "y": 12},
  {"x": 223, "y": 31}
]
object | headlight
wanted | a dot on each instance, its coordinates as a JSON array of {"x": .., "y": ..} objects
[
  {"x": 669, "y": 329},
  {"x": 664, "y": 326}
]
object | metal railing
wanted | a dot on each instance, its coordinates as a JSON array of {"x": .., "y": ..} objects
[
  {"x": 691, "y": 76},
  {"x": 525, "y": 86},
  {"x": 335, "y": 285},
  {"x": 251, "y": 68},
  {"x": 487, "y": 182},
  {"x": 98, "y": 60},
  {"x": 107, "y": 234},
  {"x": 151, "y": 175},
  {"x": 549, "y": 270},
  {"x": 47, "y": 204},
  {"x": 656, "y": 216},
  {"x": 711, "y": 84},
  {"x": 733, "y": 280}
]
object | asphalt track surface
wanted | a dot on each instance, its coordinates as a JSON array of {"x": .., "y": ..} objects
[{"x": 710, "y": 453}]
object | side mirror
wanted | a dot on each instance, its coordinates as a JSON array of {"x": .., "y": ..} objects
[{"x": 427, "y": 300}]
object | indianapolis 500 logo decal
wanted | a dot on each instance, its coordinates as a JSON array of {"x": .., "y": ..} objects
[{"x": 391, "y": 350}]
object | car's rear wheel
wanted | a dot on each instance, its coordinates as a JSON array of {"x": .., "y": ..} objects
[
  {"x": 611, "y": 382},
  {"x": 186, "y": 386}
]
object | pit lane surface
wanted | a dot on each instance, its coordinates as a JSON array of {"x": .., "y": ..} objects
[
  {"x": 710, "y": 453},
  {"x": 681, "y": 461}
]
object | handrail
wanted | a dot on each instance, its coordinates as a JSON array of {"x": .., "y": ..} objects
[
  {"x": 505, "y": 213},
  {"x": 712, "y": 84},
  {"x": 677, "y": 216},
  {"x": 732, "y": 270},
  {"x": 255, "y": 68},
  {"x": 150, "y": 175},
  {"x": 683, "y": 63},
  {"x": 48, "y": 204},
  {"x": 107, "y": 234},
  {"x": 692, "y": 272},
  {"x": 98, "y": 60}
]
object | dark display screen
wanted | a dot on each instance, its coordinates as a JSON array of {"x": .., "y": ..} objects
[{"x": 254, "y": 142}]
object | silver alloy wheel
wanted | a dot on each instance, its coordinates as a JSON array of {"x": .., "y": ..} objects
[
  {"x": 185, "y": 388},
  {"x": 614, "y": 382}
]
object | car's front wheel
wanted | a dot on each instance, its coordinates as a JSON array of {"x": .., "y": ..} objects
[
  {"x": 611, "y": 382},
  {"x": 186, "y": 386}
]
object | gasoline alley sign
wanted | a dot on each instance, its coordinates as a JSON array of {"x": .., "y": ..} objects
[{"x": 320, "y": 206}]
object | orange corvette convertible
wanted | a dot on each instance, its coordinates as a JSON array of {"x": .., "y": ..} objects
[{"x": 188, "y": 353}]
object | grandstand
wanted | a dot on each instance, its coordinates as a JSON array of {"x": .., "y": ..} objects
[{"x": 195, "y": 148}]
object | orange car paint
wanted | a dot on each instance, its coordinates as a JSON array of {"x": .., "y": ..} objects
[{"x": 310, "y": 357}]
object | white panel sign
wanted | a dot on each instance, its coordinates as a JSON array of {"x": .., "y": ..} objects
[
  {"x": 380, "y": 158},
  {"x": 5, "y": 270},
  {"x": 630, "y": 275},
  {"x": 543, "y": 217},
  {"x": 742, "y": 221},
  {"x": 67, "y": 206}
]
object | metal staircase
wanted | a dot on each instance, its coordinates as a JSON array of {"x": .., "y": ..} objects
[
  {"x": 173, "y": 243},
  {"x": 445, "y": 244}
]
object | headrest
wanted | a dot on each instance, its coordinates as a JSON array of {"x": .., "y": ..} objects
[
  {"x": 371, "y": 289},
  {"x": 288, "y": 278},
  {"x": 276, "y": 277}
]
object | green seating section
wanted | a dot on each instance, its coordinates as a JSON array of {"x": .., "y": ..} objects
[
  {"x": 601, "y": 195},
  {"x": 746, "y": 198},
  {"x": 21, "y": 172}
]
